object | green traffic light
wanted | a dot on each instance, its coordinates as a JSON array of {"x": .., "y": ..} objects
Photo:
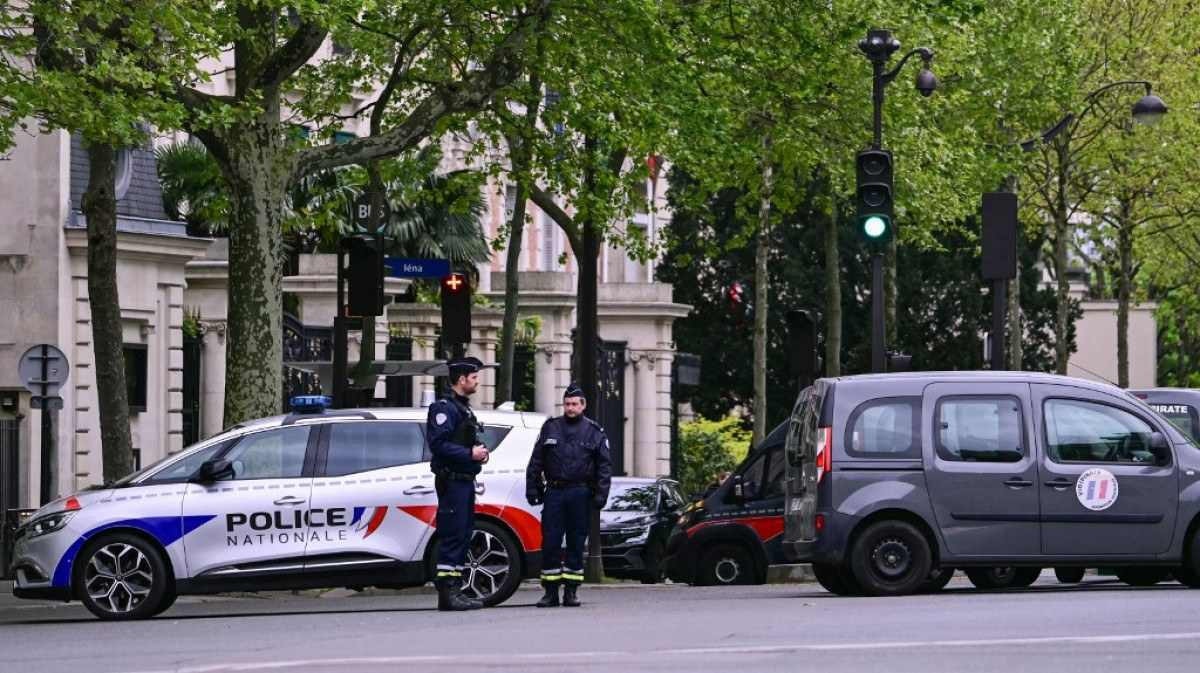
[{"x": 874, "y": 226}]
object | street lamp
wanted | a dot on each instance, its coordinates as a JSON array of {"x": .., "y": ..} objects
[
  {"x": 1149, "y": 109},
  {"x": 875, "y": 171}
]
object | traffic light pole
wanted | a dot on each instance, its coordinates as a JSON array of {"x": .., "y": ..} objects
[
  {"x": 999, "y": 322},
  {"x": 878, "y": 356},
  {"x": 340, "y": 336}
]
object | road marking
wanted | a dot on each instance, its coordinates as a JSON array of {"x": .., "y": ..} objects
[{"x": 605, "y": 655}]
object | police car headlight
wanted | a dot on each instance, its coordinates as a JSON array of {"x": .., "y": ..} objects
[{"x": 47, "y": 524}]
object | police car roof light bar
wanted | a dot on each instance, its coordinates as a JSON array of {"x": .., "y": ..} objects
[{"x": 311, "y": 404}]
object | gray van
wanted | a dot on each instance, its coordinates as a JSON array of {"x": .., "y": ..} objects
[{"x": 893, "y": 479}]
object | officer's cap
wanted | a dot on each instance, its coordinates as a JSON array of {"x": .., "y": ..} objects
[
  {"x": 573, "y": 390},
  {"x": 463, "y": 366}
]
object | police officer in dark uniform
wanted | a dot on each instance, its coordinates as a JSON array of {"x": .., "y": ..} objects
[
  {"x": 569, "y": 472},
  {"x": 458, "y": 456}
]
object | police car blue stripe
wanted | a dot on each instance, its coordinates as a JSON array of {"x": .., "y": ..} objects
[{"x": 165, "y": 529}]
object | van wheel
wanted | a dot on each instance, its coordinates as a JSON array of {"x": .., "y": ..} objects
[
  {"x": 1142, "y": 576},
  {"x": 122, "y": 577},
  {"x": 1000, "y": 577},
  {"x": 725, "y": 565},
  {"x": 836, "y": 579},
  {"x": 937, "y": 580},
  {"x": 890, "y": 558},
  {"x": 1070, "y": 575}
]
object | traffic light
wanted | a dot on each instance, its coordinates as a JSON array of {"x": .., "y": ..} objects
[
  {"x": 364, "y": 274},
  {"x": 456, "y": 309},
  {"x": 874, "y": 195}
]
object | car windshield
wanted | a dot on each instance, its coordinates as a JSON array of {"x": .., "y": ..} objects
[
  {"x": 129, "y": 479},
  {"x": 632, "y": 498}
]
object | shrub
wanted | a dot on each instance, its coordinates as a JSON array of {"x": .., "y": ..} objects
[{"x": 707, "y": 448}]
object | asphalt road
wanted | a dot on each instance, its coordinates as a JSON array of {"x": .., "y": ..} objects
[{"x": 1099, "y": 626}]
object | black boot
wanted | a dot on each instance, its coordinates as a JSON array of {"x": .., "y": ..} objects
[
  {"x": 550, "y": 599},
  {"x": 570, "y": 600},
  {"x": 451, "y": 598}
]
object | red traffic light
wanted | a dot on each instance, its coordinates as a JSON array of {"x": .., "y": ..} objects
[{"x": 455, "y": 282}]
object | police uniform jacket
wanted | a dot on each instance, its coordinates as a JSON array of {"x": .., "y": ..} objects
[
  {"x": 578, "y": 455},
  {"x": 452, "y": 431}
]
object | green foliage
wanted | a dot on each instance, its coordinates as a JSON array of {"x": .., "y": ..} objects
[
  {"x": 708, "y": 448},
  {"x": 193, "y": 188}
]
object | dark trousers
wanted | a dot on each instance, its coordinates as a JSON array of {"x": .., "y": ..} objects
[
  {"x": 564, "y": 514},
  {"x": 455, "y": 523}
]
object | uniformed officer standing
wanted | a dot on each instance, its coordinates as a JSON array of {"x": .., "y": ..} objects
[
  {"x": 458, "y": 456},
  {"x": 569, "y": 472}
]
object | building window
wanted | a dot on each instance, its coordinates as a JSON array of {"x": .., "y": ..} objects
[
  {"x": 510, "y": 202},
  {"x": 549, "y": 256},
  {"x": 135, "y": 376},
  {"x": 137, "y": 459},
  {"x": 340, "y": 137}
]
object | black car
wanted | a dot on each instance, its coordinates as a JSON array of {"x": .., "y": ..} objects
[{"x": 635, "y": 525}]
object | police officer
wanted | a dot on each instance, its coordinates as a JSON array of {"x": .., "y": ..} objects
[
  {"x": 458, "y": 456},
  {"x": 568, "y": 473}
]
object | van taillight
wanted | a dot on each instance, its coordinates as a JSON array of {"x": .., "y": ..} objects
[
  {"x": 819, "y": 523},
  {"x": 824, "y": 452}
]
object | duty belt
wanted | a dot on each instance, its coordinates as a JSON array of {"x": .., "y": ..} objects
[
  {"x": 554, "y": 483},
  {"x": 455, "y": 476}
]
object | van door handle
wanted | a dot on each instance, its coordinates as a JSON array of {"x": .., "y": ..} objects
[
  {"x": 1017, "y": 482},
  {"x": 1059, "y": 484},
  {"x": 418, "y": 490},
  {"x": 289, "y": 500}
]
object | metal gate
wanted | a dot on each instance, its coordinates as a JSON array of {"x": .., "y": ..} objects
[
  {"x": 610, "y": 413},
  {"x": 303, "y": 343},
  {"x": 191, "y": 389}
]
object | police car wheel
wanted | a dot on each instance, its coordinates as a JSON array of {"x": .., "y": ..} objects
[
  {"x": 1000, "y": 577},
  {"x": 937, "y": 580},
  {"x": 122, "y": 576},
  {"x": 726, "y": 565},
  {"x": 890, "y": 558},
  {"x": 835, "y": 579},
  {"x": 493, "y": 570},
  {"x": 1143, "y": 576},
  {"x": 1070, "y": 575},
  {"x": 653, "y": 574}
]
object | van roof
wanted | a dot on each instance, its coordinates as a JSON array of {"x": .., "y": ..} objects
[{"x": 983, "y": 375}]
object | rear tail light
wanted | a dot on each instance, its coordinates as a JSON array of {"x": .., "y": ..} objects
[
  {"x": 824, "y": 452},
  {"x": 819, "y": 523}
]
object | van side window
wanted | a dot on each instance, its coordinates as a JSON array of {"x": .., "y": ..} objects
[
  {"x": 885, "y": 428},
  {"x": 1087, "y": 432},
  {"x": 980, "y": 429}
]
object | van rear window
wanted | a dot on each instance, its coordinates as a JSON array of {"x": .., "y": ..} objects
[{"x": 885, "y": 428}]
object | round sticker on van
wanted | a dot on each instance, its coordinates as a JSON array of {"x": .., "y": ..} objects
[{"x": 1096, "y": 489}]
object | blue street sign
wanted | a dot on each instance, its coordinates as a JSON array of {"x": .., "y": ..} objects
[{"x": 417, "y": 268}]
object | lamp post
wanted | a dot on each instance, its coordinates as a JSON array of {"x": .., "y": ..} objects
[
  {"x": 1149, "y": 109},
  {"x": 875, "y": 198}
]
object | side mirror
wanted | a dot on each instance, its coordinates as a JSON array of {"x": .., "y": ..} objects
[
  {"x": 1161, "y": 448},
  {"x": 213, "y": 471},
  {"x": 739, "y": 488}
]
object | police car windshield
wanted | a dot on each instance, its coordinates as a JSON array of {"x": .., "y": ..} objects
[{"x": 133, "y": 478}]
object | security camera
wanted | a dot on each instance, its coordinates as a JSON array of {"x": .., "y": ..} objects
[{"x": 926, "y": 82}]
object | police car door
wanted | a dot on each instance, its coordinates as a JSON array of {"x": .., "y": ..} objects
[
  {"x": 369, "y": 475},
  {"x": 1103, "y": 491},
  {"x": 261, "y": 526}
]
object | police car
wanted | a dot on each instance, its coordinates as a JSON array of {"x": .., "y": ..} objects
[{"x": 312, "y": 499}]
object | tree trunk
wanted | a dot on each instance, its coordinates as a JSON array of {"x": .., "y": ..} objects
[
  {"x": 890, "y": 295},
  {"x": 258, "y": 172},
  {"x": 833, "y": 295},
  {"x": 512, "y": 288},
  {"x": 100, "y": 208},
  {"x": 761, "y": 286},
  {"x": 1124, "y": 293}
]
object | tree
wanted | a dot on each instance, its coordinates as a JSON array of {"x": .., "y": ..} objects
[{"x": 74, "y": 53}]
